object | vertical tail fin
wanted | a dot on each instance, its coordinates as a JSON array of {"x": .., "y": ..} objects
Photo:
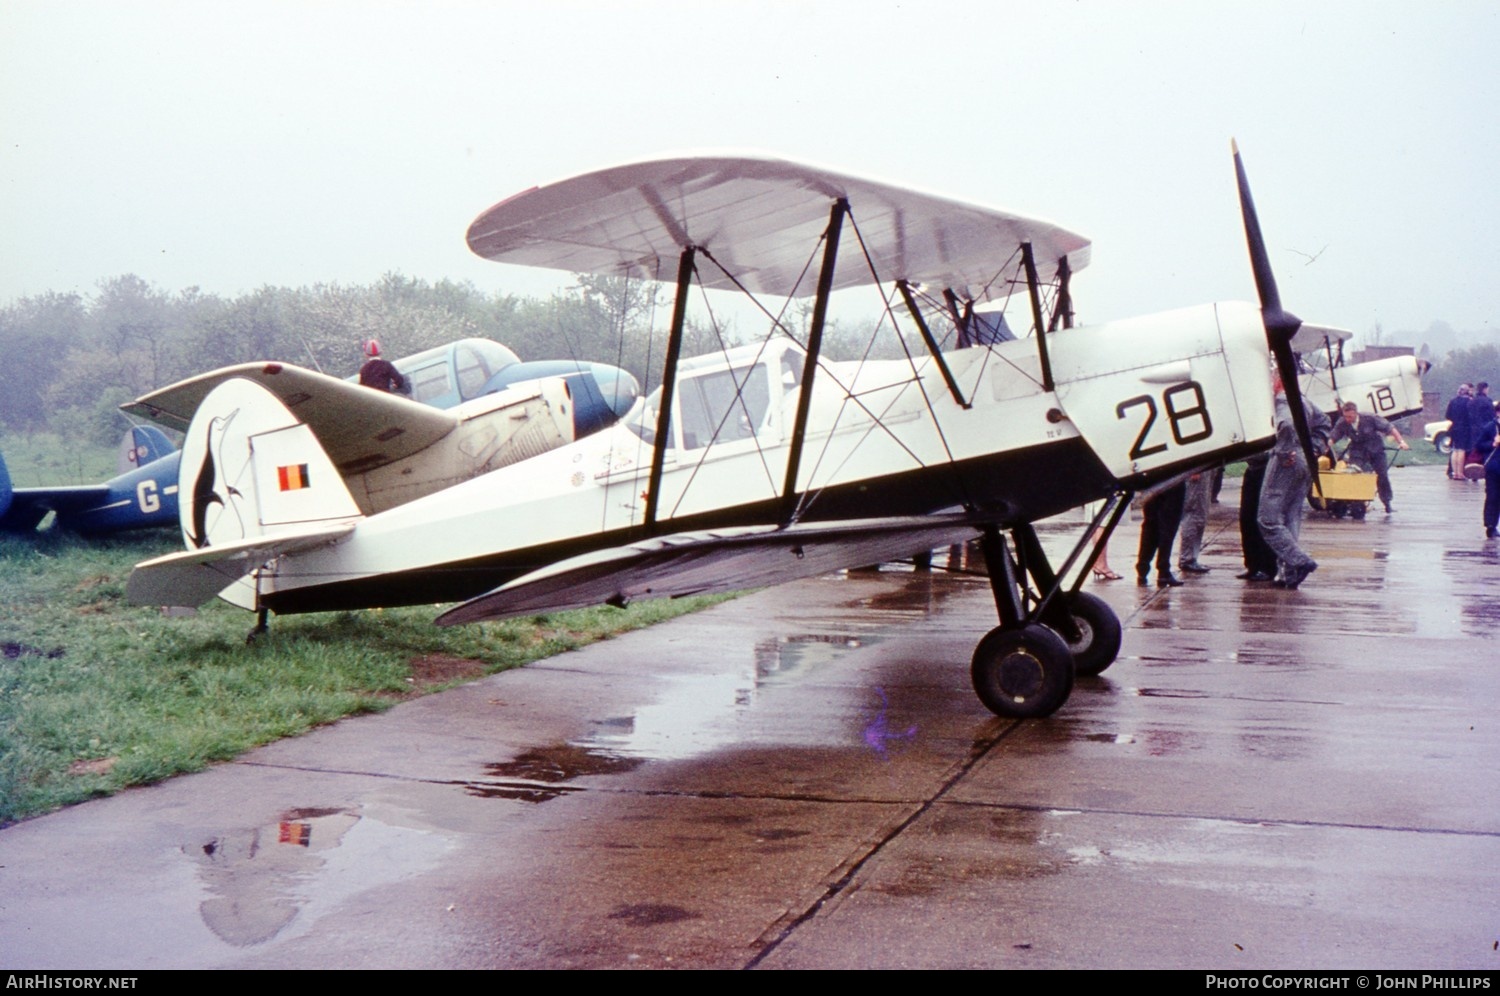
[
  {"x": 143, "y": 444},
  {"x": 250, "y": 468}
]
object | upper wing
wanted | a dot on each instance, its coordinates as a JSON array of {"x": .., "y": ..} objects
[
  {"x": 1310, "y": 337},
  {"x": 359, "y": 427},
  {"x": 711, "y": 561},
  {"x": 29, "y": 506},
  {"x": 759, "y": 217}
]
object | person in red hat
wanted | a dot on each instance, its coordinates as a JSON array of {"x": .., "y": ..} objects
[{"x": 379, "y": 372}]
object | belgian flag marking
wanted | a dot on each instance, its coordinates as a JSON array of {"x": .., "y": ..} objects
[{"x": 293, "y": 477}]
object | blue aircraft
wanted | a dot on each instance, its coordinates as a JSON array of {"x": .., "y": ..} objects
[
  {"x": 143, "y": 495},
  {"x": 450, "y": 377}
]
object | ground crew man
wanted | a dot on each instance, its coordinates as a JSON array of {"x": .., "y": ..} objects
[
  {"x": 1367, "y": 435},
  {"x": 1284, "y": 491}
]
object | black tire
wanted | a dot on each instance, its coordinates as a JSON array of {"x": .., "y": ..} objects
[
  {"x": 1443, "y": 443},
  {"x": 1022, "y": 672},
  {"x": 1099, "y": 634}
]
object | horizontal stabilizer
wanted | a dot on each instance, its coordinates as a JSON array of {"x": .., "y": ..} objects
[
  {"x": 712, "y": 561},
  {"x": 195, "y": 576},
  {"x": 359, "y": 427}
]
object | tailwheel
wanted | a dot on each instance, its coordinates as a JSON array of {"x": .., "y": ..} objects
[
  {"x": 1022, "y": 672},
  {"x": 1099, "y": 633}
]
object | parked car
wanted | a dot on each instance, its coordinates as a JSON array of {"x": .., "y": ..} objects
[{"x": 1437, "y": 435}]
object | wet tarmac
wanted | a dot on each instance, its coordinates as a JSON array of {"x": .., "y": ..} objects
[{"x": 803, "y": 778}]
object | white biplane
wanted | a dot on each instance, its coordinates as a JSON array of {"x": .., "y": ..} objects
[
  {"x": 1389, "y": 387},
  {"x": 766, "y": 463}
]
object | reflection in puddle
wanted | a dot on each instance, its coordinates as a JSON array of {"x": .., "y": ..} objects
[
  {"x": 264, "y": 879},
  {"x": 691, "y": 716},
  {"x": 537, "y": 774},
  {"x": 789, "y": 655},
  {"x": 924, "y": 591},
  {"x": 697, "y": 713}
]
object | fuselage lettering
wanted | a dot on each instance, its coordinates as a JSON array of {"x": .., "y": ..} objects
[
  {"x": 147, "y": 497},
  {"x": 1187, "y": 417}
]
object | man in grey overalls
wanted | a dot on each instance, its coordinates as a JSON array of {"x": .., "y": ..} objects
[{"x": 1284, "y": 490}]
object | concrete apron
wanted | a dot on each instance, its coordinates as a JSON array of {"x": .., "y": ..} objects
[{"x": 803, "y": 778}]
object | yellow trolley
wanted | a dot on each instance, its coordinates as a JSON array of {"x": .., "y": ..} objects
[{"x": 1347, "y": 490}]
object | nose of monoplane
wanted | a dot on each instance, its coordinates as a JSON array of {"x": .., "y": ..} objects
[{"x": 619, "y": 387}]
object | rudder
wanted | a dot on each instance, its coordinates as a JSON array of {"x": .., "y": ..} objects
[{"x": 250, "y": 468}]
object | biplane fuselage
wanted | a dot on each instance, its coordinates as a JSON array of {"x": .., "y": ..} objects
[
  {"x": 1174, "y": 391},
  {"x": 769, "y": 462}
]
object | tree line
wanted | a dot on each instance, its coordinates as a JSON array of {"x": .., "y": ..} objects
[{"x": 68, "y": 361}]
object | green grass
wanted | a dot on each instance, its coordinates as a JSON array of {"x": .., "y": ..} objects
[
  {"x": 97, "y": 694},
  {"x": 42, "y": 460}
]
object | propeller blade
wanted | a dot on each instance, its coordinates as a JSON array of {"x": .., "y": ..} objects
[{"x": 1280, "y": 324}]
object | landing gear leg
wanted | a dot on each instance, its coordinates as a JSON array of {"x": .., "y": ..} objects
[
  {"x": 1086, "y": 623},
  {"x": 262, "y": 614},
  {"x": 261, "y": 626},
  {"x": 1024, "y": 668},
  {"x": 1021, "y": 669}
]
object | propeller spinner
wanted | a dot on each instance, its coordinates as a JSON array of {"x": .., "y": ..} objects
[{"x": 1280, "y": 324}]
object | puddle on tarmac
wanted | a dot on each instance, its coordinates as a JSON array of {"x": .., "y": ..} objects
[
  {"x": 800, "y": 655},
  {"x": 538, "y": 774},
  {"x": 274, "y": 880},
  {"x": 697, "y": 713},
  {"x": 922, "y": 594},
  {"x": 1110, "y": 738}
]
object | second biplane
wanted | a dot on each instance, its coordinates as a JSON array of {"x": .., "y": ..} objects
[{"x": 768, "y": 462}]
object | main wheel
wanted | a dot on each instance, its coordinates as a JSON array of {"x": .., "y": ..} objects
[
  {"x": 1443, "y": 443},
  {"x": 1099, "y": 633},
  {"x": 1022, "y": 672}
]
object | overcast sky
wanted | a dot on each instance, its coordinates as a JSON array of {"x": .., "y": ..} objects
[{"x": 237, "y": 144}]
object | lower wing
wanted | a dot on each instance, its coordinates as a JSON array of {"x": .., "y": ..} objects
[
  {"x": 29, "y": 506},
  {"x": 712, "y": 561}
]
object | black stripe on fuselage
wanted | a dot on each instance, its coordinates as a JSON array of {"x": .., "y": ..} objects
[{"x": 1017, "y": 486}]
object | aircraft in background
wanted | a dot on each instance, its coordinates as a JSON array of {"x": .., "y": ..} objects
[
  {"x": 143, "y": 496},
  {"x": 1390, "y": 387},
  {"x": 474, "y": 406},
  {"x": 768, "y": 462}
]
